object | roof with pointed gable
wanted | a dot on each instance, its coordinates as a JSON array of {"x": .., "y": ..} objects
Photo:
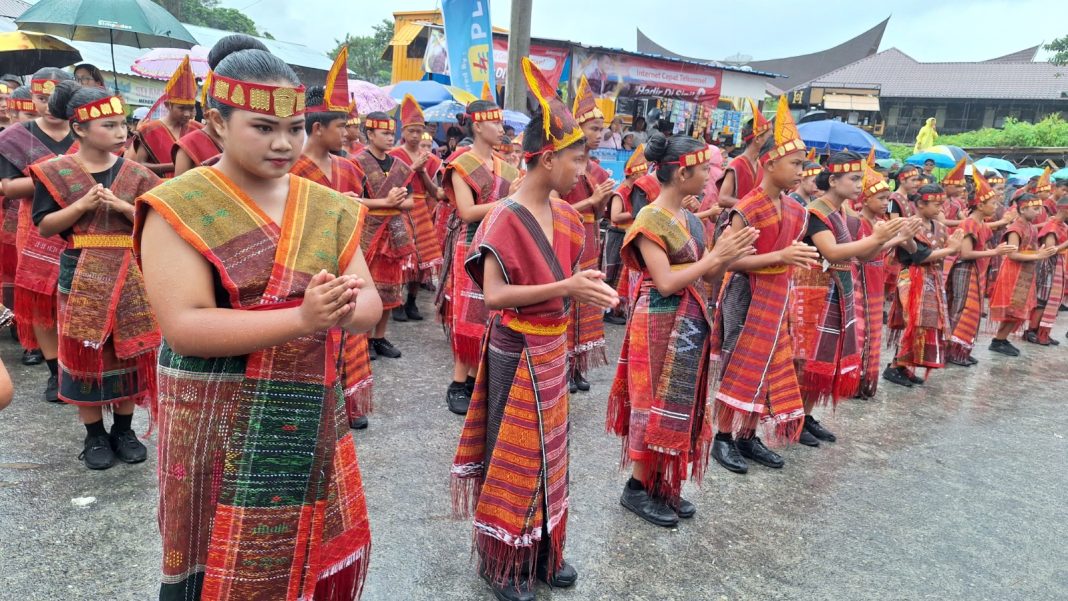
[{"x": 901, "y": 76}]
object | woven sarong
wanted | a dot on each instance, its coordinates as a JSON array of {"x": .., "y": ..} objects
[
  {"x": 511, "y": 466},
  {"x": 1013, "y": 297},
  {"x": 964, "y": 293},
  {"x": 428, "y": 259},
  {"x": 922, "y": 296},
  {"x": 9, "y": 251},
  {"x": 658, "y": 401},
  {"x": 199, "y": 146},
  {"x": 260, "y": 490},
  {"x": 1049, "y": 282},
  {"x": 387, "y": 240},
  {"x": 158, "y": 140}
]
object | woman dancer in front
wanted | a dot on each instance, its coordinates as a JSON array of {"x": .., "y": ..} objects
[
  {"x": 107, "y": 334},
  {"x": 658, "y": 399},
  {"x": 253, "y": 275}
]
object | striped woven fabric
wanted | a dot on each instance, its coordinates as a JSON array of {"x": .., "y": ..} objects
[
  {"x": 1049, "y": 300},
  {"x": 108, "y": 335},
  {"x": 199, "y": 146},
  {"x": 9, "y": 253},
  {"x": 922, "y": 296},
  {"x": 386, "y": 240},
  {"x": 428, "y": 259},
  {"x": 511, "y": 465},
  {"x": 658, "y": 401},
  {"x": 460, "y": 305},
  {"x": 357, "y": 377},
  {"x": 869, "y": 301},
  {"x": 1013, "y": 296},
  {"x": 260, "y": 490},
  {"x": 759, "y": 382},
  {"x": 964, "y": 293}
]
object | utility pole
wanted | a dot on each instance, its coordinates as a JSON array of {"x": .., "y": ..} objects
[{"x": 515, "y": 87}]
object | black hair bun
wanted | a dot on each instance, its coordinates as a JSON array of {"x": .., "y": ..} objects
[
  {"x": 60, "y": 99},
  {"x": 656, "y": 148},
  {"x": 231, "y": 44}
]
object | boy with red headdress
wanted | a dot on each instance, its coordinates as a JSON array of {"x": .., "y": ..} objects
[
  {"x": 744, "y": 171},
  {"x": 154, "y": 143},
  {"x": 425, "y": 192},
  {"x": 1049, "y": 277}
]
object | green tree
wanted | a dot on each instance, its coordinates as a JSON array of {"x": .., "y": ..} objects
[
  {"x": 208, "y": 13},
  {"x": 365, "y": 53},
  {"x": 1059, "y": 48}
]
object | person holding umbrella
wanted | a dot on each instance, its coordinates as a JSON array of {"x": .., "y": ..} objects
[
  {"x": 32, "y": 142},
  {"x": 154, "y": 145},
  {"x": 250, "y": 394}
]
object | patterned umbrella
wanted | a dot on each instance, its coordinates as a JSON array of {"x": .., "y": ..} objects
[
  {"x": 161, "y": 63},
  {"x": 516, "y": 119},
  {"x": 943, "y": 155},
  {"x": 444, "y": 112},
  {"x": 369, "y": 97}
]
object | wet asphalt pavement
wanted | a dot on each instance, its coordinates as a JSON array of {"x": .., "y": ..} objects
[{"x": 953, "y": 490}]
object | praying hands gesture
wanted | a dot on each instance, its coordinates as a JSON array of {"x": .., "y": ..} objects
[
  {"x": 514, "y": 186},
  {"x": 886, "y": 229},
  {"x": 731, "y": 246},
  {"x": 328, "y": 301},
  {"x": 420, "y": 161},
  {"x": 396, "y": 197},
  {"x": 91, "y": 200},
  {"x": 587, "y": 286},
  {"x": 603, "y": 191},
  {"x": 691, "y": 204},
  {"x": 955, "y": 242},
  {"x": 114, "y": 203},
  {"x": 799, "y": 254},
  {"x": 1004, "y": 249}
]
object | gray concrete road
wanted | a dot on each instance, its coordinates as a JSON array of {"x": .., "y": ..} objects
[{"x": 954, "y": 490}]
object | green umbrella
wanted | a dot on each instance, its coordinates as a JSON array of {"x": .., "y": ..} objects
[{"x": 136, "y": 23}]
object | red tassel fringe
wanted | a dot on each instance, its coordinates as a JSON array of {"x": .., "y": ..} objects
[
  {"x": 347, "y": 583},
  {"x": 500, "y": 562},
  {"x": 466, "y": 349}
]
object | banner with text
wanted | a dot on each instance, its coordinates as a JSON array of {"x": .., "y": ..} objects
[
  {"x": 468, "y": 37},
  {"x": 550, "y": 59},
  {"x": 612, "y": 74}
]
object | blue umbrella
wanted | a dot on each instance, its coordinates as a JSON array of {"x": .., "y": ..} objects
[
  {"x": 426, "y": 93},
  {"x": 1060, "y": 174},
  {"x": 444, "y": 112},
  {"x": 830, "y": 135},
  {"x": 993, "y": 163},
  {"x": 516, "y": 119},
  {"x": 942, "y": 161},
  {"x": 1025, "y": 174}
]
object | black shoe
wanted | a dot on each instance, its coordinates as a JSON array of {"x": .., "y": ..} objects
[
  {"x": 1063, "y": 308},
  {"x": 1004, "y": 347},
  {"x": 914, "y": 378},
  {"x": 515, "y": 590},
  {"x": 753, "y": 448},
  {"x": 371, "y": 351},
  {"x": 816, "y": 429},
  {"x": 686, "y": 509},
  {"x": 358, "y": 423},
  {"x": 1053, "y": 342},
  {"x": 51, "y": 391},
  {"x": 726, "y": 454},
  {"x": 565, "y": 577},
  {"x": 32, "y": 357},
  {"x": 648, "y": 508},
  {"x": 1031, "y": 336},
  {"x": 972, "y": 361},
  {"x": 457, "y": 399},
  {"x": 572, "y": 386},
  {"x": 616, "y": 320},
  {"x": 127, "y": 447},
  {"x": 961, "y": 362},
  {"x": 808, "y": 439},
  {"x": 97, "y": 453},
  {"x": 580, "y": 382},
  {"x": 896, "y": 375},
  {"x": 411, "y": 310},
  {"x": 385, "y": 349},
  {"x": 399, "y": 314}
]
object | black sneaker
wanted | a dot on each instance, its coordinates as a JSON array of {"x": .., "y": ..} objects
[
  {"x": 972, "y": 361},
  {"x": 896, "y": 375},
  {"x": 97, "y": 453},
  {"x": 808, "y": 439},
  {"x": 32, "y": 357},
  {"x": 565, "y": 577},
  {"x": 911, "y": 375},
  {"x": 411, "y": 310},
  {"x": 51, "y": 391},
  {"x": 726, "y": 454},
  {"x": 1032, "y": 337},
  {"x": 572, "y": 386},
  {"x": 399, "y": 314},
  {"x": 816, "y": 429},
  {"x": 1004, "y": 347},
  {"x": 653, "y": 510},
  {"x": 385, "y": 349},
  {"x": 754, "y": 449},
  {"x": 580, "y": 382},
  {"x": 513, "y": 590},
  {"x": 371, "y": 351},
  {"x": 358, "y": 423},
  {"x": 685, "y": 509},
  {"x": 457, "y": 399},
  {"x": 961, "y": 362},
  {"x": 1053, "y": 342},
  {"x": 616, "y": 320},
  {"x": 127, "y": 447}
]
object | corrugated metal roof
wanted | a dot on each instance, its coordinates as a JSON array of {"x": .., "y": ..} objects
[
  {"x": 901, "y": 76},
  {"x": 406, "y": 33}
]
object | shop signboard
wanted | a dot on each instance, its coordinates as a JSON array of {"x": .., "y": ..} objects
[{"x": 615, "y": 74}]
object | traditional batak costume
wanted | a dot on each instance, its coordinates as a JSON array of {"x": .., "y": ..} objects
[
  {"x": 155, "y": 135},
  {"x": 869, "y": 292},
  {"x": 966, "y": 283}
]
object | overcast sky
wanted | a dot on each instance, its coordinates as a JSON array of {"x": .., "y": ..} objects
[{"x": 939, "y": 30}]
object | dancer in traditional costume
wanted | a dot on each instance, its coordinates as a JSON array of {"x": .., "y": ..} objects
[
  {"x": 807, "y": 191},
  {"x": 511, "y": 466},
  {"x": 955, "y": 209},
  {"x": 658, "y": 402},
  {"x": 21, "y": 146},
  {"x": 826, "y": 344},
  {"x": 589, "y": 198},
  {"x": 260, "y": 489},
  {"x": 20, "y": 106},
  {"x": 107, "y": 334},
  {"x": 474, "y": 181},
  {"x": 425, "y": 191},
  {"x": 966, "y": 283},
  {"x": 919, "y": 316},
  {"x": 1049, "y": 277},
  {"x": 744, "y": 171},
  {"x": 1043, "y": 189},
  {"x": 907, "y": 182},
  {"x": 387, "y": 241},
  {"x": 621, "y": 215},
  {"x": 153, "y": 145},
  {"x": 750, "y": 337},
  {"x": 326, "y": 109}
]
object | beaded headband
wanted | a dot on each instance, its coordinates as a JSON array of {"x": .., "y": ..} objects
[
  {"x": 494, "y": 114},
  {"x": 42, "y": 86},
  {"x": 1030, "y": 202},
  {"x": 691, "y": 159},
  {"x": 848, "y": 167},
  {"x": 811, "y": 172},
  {"x": 110, "y": 106},
  {"x": 275, "y": 101},
  {"x": 21, "y": 104},
  {"x": 876, "y": 188},
  {"x": 385, "y": 124},
  {"x": 937, "y": 197},
  {"x": 906, "y": 172}
]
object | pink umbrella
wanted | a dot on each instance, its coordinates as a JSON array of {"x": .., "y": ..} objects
[
  {"x": 369, "y": 97},
  {"x": 162, "y": 62}
]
